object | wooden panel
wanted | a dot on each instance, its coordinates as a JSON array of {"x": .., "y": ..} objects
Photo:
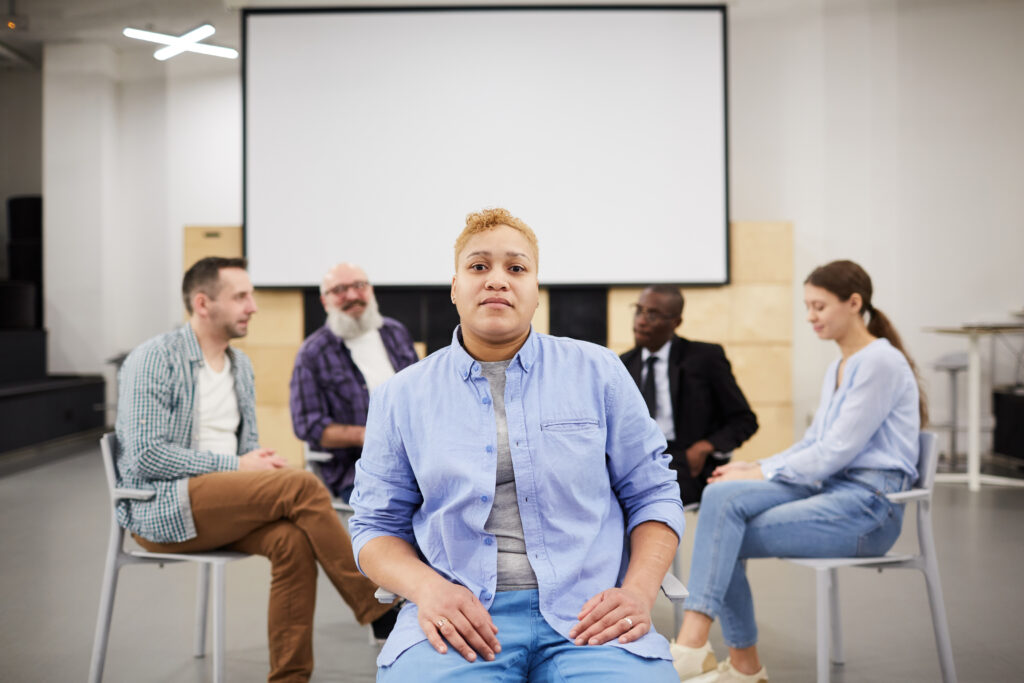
[
  {"x": 761, "y": 313},
  {"x": 763, "y": 371},
  {"x": 542, "y": 316},
  {"x": 761, "y": 252},
  {"x": 272, "y": 365},
  {"x": 279, "y": 320},
  {"x": 203, "y": 241},
  {"x": 620, "y": 317},
  {"x": 706, "y": 314},
  {"x": 774, "y": 433},
  {"x": 275, "y": 430}
]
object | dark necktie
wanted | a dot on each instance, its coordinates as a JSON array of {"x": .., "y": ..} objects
[{"x": 649, "y": 393}]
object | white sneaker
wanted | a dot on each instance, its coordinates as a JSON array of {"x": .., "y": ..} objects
[
  {"x": 726, "y": 674},
  {"x": 692, "y": 661}
]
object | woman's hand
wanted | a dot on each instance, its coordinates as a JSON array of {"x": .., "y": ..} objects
[
  {"x": 449, "y": 612},
  {"x": 735, "y": 471},
  {"x": 613, "y": 613}
]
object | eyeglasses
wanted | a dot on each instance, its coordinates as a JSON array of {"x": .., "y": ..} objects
[
  {"x": 649, "y": 314},
  {"x": 340, "y": 290}
]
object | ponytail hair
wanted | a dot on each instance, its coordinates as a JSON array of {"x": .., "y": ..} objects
[{"x": 846, "y": 278}]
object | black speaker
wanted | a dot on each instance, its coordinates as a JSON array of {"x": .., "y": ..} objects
[
  {"x": 1008, "y": 407},
  {"x": 18, "y": 306},
  {"x": 25, "y": 219},
  {"x": 25, "y": 247}
]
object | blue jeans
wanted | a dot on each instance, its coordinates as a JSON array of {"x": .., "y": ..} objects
[
  {"x": 530, "y": 651},
  {"x": 848, "y": 517}
]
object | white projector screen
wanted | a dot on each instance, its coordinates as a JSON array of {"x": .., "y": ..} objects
[{"x": 370, "y": 134}]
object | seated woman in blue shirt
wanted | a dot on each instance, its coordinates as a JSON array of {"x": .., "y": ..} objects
[
  {"x": 514, "y": 488},
  {"x": 824, "y": 496}
]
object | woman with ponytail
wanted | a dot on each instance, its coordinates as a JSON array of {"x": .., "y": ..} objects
[{"x": 823, "y": 497}]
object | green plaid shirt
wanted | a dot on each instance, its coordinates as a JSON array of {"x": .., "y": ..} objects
[{"x": 156, "y": 429}]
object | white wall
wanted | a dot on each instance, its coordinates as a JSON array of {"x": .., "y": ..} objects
[
  {"x": 135, "y": 150},
  {"x": 890, "y": 132},
  {"x": 79, "y": 128},
  {"x": 21, "y": 142}
]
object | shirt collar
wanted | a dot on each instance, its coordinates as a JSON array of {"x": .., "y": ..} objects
[
  {"x": 464, "y": 363},
  {"x": 192, "y": 350},
  {"x": 661, "y": 353}
]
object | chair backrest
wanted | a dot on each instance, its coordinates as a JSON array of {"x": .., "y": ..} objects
[
  {"x": 108, "y": 449},
  {"x": 928, "y": 460}
]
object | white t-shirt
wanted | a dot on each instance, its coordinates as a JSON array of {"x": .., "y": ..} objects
[
  {"x": 370, "y": 356},
  {"x": 218, "y": 410}
]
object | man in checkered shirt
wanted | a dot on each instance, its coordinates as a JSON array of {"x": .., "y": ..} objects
[
  {"x": 355, "y": 351},
  {"x": 186, "y": 428}
]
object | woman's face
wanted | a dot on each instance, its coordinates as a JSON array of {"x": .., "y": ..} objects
[
  {"x": 495, "y": 286},
  {"x": 830, "y": 317}
]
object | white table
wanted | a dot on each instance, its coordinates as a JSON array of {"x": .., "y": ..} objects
[{"x": 974, "y": 333}]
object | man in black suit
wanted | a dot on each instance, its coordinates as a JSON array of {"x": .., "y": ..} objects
[{"x": 691, "y": 392}]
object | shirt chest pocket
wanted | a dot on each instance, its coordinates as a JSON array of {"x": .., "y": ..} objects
[
  {"x": 579, "y": 437},
  {"x": 575, "y": 448}
]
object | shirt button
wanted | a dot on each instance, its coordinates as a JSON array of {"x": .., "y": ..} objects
[
  {"x": 485, "y": 595},
  {"x": 483, "y": 498},
  {"x": 489, "y": 449},
  {"x": 486, "y": 400},
  {"x": 488, "y": 541}
]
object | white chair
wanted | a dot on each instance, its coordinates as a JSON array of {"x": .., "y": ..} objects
[
  {"x": 117, "y": 557},
  {"x": 827, "y": 582}
]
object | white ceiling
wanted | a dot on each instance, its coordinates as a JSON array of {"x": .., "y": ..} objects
[{"x": 52, "y": 21}]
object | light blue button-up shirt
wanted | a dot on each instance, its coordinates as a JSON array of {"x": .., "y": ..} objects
[
  {"x": 871, "y": 420},
  {"x": 589, "y": 466}
]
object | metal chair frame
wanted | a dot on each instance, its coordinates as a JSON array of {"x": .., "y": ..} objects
[{"x": 117, "y": 557}]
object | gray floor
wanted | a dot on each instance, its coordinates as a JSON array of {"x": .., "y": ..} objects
[{"x": 54, "y": 526}]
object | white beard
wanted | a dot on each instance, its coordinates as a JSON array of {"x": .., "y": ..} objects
[{"x": 345, "y": 326}]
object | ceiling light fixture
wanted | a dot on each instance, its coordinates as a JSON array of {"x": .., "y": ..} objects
[{"x": 186, "y": 42}]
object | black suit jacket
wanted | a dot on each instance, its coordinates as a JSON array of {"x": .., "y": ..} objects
[{"x": 706, "y": 401}]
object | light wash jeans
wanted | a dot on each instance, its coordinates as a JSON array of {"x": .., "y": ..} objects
[
  {"x": 530, "y": 651},
  {"x": 848, "y": 517}
]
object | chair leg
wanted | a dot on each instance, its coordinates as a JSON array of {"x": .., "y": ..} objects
[
  {"x": 930, "y": 568},
  {"x": 218, "y": 623},
  {"x": 202, "y": 604},
  {"x": 837, "y": 631},
  {"x": 106, "y": 611},
  {"x": 822, "y": 589}
]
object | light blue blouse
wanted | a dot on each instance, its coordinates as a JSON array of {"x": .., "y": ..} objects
[{"x": 871, "y": 420}]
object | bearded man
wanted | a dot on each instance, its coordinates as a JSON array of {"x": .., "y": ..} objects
[{"x": 337, "y": 368}]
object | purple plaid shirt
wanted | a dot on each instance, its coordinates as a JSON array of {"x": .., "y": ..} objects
[{"x": 327, "y": 387}]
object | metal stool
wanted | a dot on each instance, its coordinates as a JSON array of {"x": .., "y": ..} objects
[{"x": 952, "y": 363}]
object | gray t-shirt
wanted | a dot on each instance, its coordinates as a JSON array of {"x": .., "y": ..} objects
[{"x": 514, "y": 570}]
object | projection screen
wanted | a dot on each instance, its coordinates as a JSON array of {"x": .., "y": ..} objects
[{"x": 370, "y": 134}]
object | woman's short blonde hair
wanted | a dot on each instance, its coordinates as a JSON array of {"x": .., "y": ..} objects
[{"x": 489, "y": 219}]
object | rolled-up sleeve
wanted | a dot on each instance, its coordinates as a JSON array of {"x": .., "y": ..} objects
[{"x": 637, "y": 463}]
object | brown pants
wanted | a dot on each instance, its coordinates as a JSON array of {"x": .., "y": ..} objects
[{"x": 286, "y": 516}]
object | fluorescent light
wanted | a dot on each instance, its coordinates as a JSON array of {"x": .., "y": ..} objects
[{"x": 187, "y": 42}]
